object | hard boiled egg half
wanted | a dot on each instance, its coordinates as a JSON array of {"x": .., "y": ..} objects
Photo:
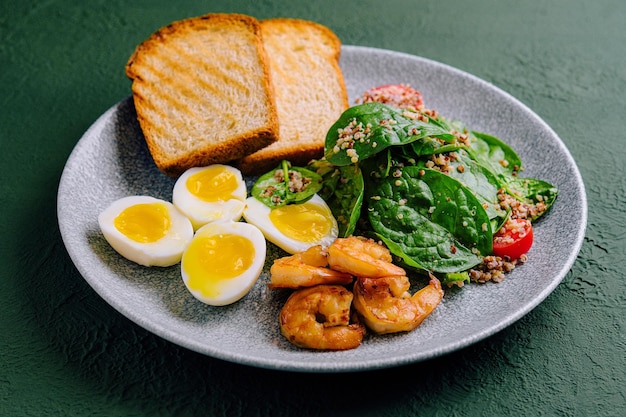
[
  {"x": 146, "y": 230},
  {"x": 206, "y": 194},
  {"x": 294, "y": 227},
  {"x": 223, "y": 261}
]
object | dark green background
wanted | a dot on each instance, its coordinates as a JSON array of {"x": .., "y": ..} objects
[{"x": 65, "y": 352}]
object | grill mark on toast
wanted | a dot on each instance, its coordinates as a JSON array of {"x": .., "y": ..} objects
[
  {"x": 216, "y": 71},
  {"x": 183, "y": 82},
  {"x": 154, "y": 116},
  {"x": 151, "y": 99}
]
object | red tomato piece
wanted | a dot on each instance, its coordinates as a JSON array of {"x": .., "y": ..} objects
[
  {"x": 397, "y": 95},
  {"x": 514, "y": 239}
]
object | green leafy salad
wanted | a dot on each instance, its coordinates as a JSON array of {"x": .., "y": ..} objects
[{"x": 436, "y": 193}]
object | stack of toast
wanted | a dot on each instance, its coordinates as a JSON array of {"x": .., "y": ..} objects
[{"x": 228, "y": 88}]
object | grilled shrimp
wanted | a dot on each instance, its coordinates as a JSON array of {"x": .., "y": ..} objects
[
  {"x": 320, "y": 318},
  {"x": 362, "y": 257},
  {"x": 305, "y": 269},
  {"x": 386, "y": 306}
]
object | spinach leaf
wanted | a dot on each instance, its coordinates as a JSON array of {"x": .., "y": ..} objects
[
  {"x": 533, "y": 191},
  {"x": 367, "y": 129},
  {"x": 342, "y": 189},
  {"x": 495, "y": 155},
  {"x": 432, "y": 146},
  {"x": 479, "y": 179},
  {"x": 286, "y": 185},
  {"x": 504, "y": 162},
  {"x": 380, "y": 165},
  {"x": 429, "y": 219}
]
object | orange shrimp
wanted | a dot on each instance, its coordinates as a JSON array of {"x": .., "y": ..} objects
[
  {"x": 362, "y": 257},
  {"x": 386, "y": 306},
  {"x": 305, "y": 269},
  {"x": 320, "y": 318}
]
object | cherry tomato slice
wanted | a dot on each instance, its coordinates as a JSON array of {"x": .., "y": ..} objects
[
  {"x": 514, "y": 239},
  {"x": 397, "y": 95}
]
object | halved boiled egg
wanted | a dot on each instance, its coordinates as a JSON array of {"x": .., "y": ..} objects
[
  {"x": 223, "y": 261},
  {"x": 294, "y": 227},
  {"x": 146, "y": 230},
  {"x": 206, "y": 194}
]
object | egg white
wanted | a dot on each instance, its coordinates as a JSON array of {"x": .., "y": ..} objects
[
  {"x": 201, "y": 212},
  {"x": 258, "y": 214},
  {"x": 222, "y": 291},
  {"x": 166, "y": 251}
]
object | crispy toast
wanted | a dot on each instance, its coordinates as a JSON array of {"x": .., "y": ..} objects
[
  {"x": 309, "y": 88},
  {"x": 202, "y": 91}
]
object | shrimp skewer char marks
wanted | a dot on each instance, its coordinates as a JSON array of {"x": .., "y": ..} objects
[
  {"x": 305, "y": 269},
  {"x": 362, "y": 257},
  {"x": 320, "y": 318},
  {"x": 387, "y": 307}
]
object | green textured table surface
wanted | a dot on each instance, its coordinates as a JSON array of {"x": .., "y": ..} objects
[{"x": 64, "y": 351}]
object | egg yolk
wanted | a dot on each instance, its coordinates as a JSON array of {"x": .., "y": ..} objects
[
  {"x": 212, "y": 184},
  {"x": 144, "y": 223},
  {"x": 210, "y": 260},
  {"x": 304, "y": 222}
]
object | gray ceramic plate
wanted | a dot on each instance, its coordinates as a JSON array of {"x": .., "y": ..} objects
[{"x": 111, "y": 161}]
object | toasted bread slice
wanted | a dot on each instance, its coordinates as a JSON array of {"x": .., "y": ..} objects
[
  {"x": 202, "y": 91},
  {"x": 309, "y": 88}
]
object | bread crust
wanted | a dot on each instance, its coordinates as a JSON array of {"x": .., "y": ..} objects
[{"x": 180, "y": 127}]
